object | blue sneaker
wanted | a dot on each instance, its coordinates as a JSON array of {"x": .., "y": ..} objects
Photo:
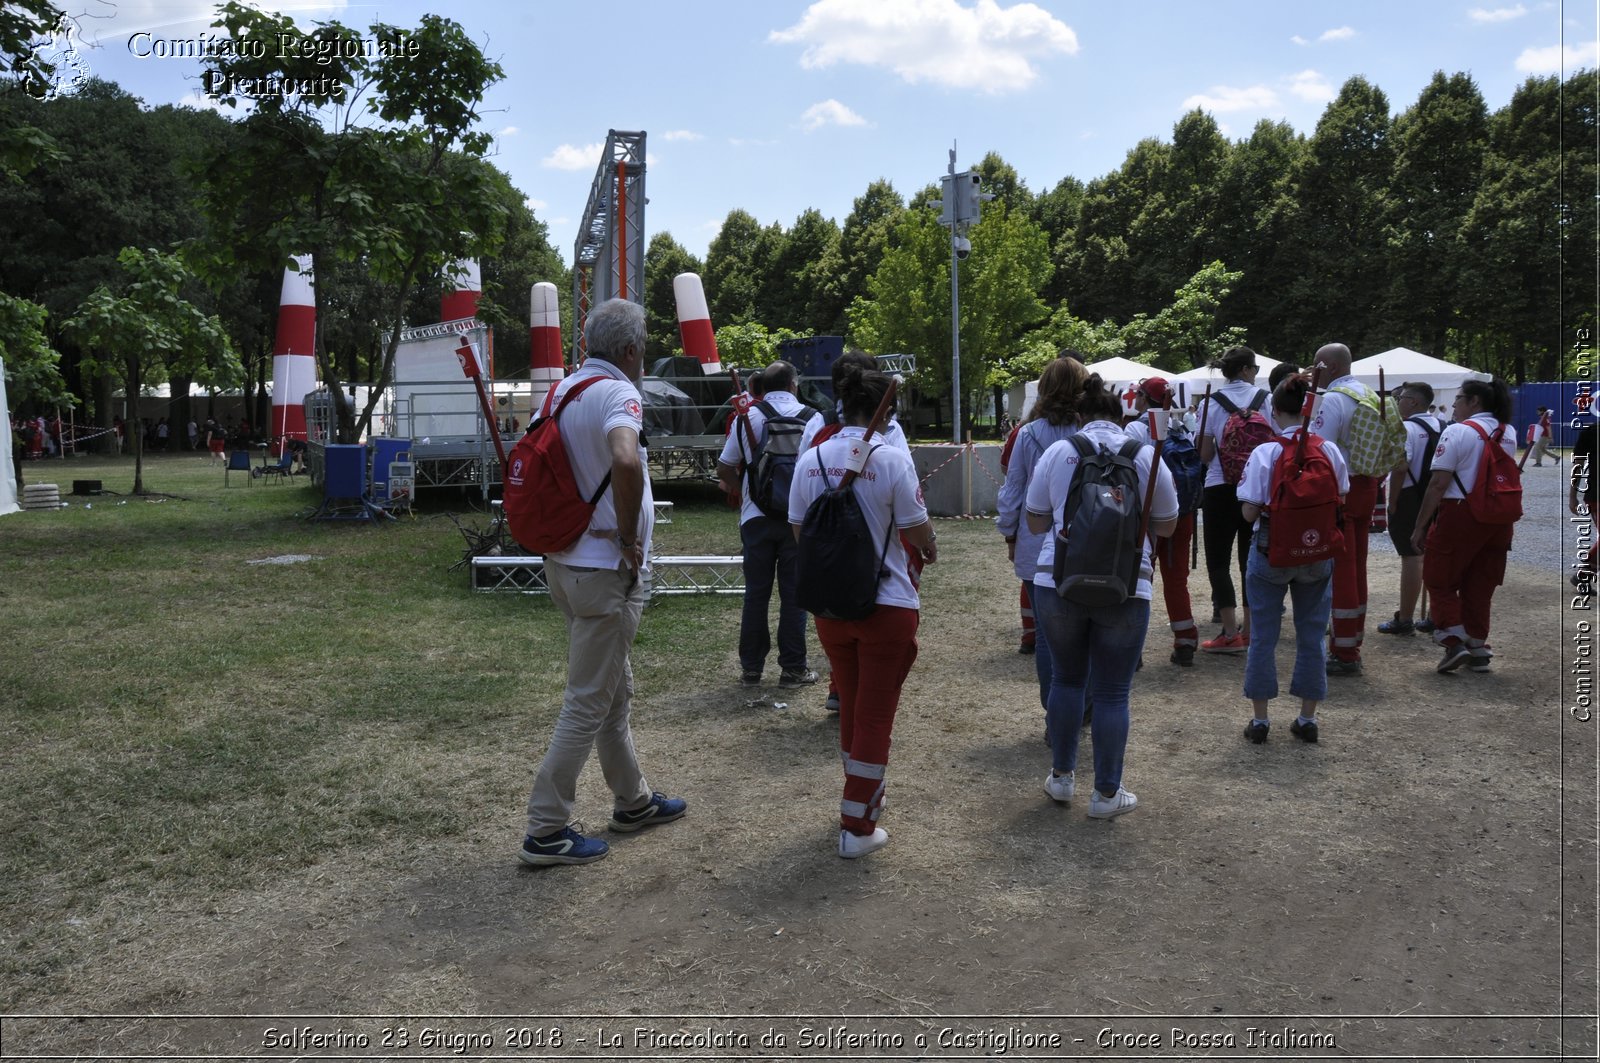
[
  {"x": 661, "y": 809},
  {"x": 565, "y": 846}
]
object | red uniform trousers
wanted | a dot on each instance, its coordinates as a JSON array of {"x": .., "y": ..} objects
[
  {"x": 1029, "y": 631},
  {"x": 1350, "y": 571},
  {"x": 870, "y": 659},
  {"x": 1462, "y": 563},
  {"x": 1172, "y": 557}
]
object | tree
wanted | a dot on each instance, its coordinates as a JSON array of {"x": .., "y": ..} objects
[
  {"x": 751, "y": 344},
  {"x": 1335, "y": 229},
  {"x": 664, "y": 259},
  {"x": 909, "y": 304},
  {"x": 1255, "y": 192},
  {"x": 150, "y": 331},
  {"x": 402, "y": 197},
  {"x": 1440, "y": 142},
  {"x": 732, "y": 279},
  {"x": 23, "y": 146},
  {"x": 1056, "y": 212},
  {"x": 842, "y": 273},
  {"x": 1186, "y": 333},
  {"x": 33, "y": 373},
  {"x": 794, "y": 274}
]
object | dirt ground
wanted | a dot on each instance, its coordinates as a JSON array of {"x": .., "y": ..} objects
[{"x": 1422, "y": 882}]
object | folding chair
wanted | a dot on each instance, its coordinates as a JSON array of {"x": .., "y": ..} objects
[
  {"x": 238, "y": 461},
  {"x": 280, "y": 470}
]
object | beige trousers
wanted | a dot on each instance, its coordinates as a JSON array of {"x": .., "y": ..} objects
[{"x": 602, "y": 609}]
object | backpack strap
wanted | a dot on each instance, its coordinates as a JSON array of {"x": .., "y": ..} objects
[
  {"x": 1226, "y": 403},
  {"x": 1499, "y": 434},
  {"x": 1430, "y": 428},
  {"x": 573, "y": 392},
  {"x": 1259, "y": 401}
]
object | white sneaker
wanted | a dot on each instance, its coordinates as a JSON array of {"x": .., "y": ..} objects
[
  {"x": 1059, "y": 787},
  {"x": 1106, "y": 807},
  {"x": 852, "y": 846}
]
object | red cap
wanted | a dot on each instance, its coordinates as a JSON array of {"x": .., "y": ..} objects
[{"x": 1155, "y": 390}]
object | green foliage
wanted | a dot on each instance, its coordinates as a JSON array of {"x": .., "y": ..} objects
[
  {"x": 909, "y": 305},
  {"x": 402, "y": 197},
  {"x": 733, "y": 274},
  {"x": 751, "y": 343},
  {"x": 664, "y": 259},
  {"x": 1186, "y": 333},
  {"x": 33, "y": 373},
  {"x": 147, "y": 331}
]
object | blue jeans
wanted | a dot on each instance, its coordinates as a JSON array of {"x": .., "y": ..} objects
[
  {"x": 1311, "y": 587},
  {"x": 770, "y": 547},
  {"x": 1094, "y": 651}
]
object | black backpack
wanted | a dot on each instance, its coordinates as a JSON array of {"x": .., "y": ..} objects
[
  {"x": 838, "y": 576},
  {"x": 1099, "y": 558},
  {"x": 1431, "y": 427},
  {"x": 770, "y": 470}
]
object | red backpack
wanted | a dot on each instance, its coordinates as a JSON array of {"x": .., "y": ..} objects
[
  {"x": 543, "y": 508},
  {"x": 1496, "y": 497},
  {"x": 1303, "y": 505},
  {"x": 1244, "y": 431}
]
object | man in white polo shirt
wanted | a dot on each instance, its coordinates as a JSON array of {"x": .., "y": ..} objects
[{"x": 597, "y": 585}]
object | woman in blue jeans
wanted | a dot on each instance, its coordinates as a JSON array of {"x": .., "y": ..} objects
[
  {"x": 1092, "y": 648},
  {"x": 1310, "y": 586}
]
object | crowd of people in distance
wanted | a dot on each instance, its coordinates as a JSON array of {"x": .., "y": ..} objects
[{"x": 1243, "y": 471}]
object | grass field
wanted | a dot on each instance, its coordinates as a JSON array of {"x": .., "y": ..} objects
[{"x": 184, "y": 717}]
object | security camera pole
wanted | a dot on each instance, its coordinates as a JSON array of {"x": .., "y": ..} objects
[{"x": 963, "y": 199}]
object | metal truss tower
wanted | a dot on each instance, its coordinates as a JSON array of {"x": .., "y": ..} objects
[{"x": 608, "y": 260}]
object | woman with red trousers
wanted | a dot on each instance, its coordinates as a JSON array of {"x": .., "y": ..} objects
[{"x": 870, "y": 657}]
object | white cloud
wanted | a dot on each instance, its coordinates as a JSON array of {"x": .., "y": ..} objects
[
  {"x": 572, "y": 157},
  {"x": 185, "y": 18},
  {"x": 1499, "y": 14},
  {"x": 535, "y": 205},
  {"x": 1311, "y": 86},
  {"x": 984, "y": 47},
  {"x": 829, "y": 112},
  {"x": 1301, "y": 41},
  {"x": 1343, "y": 33},
  {"x": 1559, "y": 58},
  {"x": 682, "y": 134},
  {"x": 508, "y": 131},
  {"x": 1220, "y": 99}
]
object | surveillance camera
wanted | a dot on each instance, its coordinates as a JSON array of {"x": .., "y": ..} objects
[{"x": 963, "y": 247}]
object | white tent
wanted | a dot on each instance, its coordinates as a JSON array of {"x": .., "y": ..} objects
[
  {"x": 1119, "y": 371},
  {"x": 1402, "y": 364},
  {"x": 8, "y": 474},
  {"x": 1190, "y": 387}
]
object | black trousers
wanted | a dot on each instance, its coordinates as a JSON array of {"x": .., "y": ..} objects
[{"x": 1225, "y": 533}]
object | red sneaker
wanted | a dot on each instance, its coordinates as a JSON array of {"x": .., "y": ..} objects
[{"x": 1235, "y": 643}]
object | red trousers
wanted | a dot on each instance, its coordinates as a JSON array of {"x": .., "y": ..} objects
[
  {"x": 1028, "y": 630},
  {"x": 1172, "y": 558},
  {"x": 1350, "y": 571},
  {"x": 871, "y": 659},
  {"x": 1462, "y": 563}
]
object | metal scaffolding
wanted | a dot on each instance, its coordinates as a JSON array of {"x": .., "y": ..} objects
[{"x": 608, "y": 260}]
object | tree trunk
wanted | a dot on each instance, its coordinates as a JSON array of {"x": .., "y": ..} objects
[{"x": 135, "y": 379}]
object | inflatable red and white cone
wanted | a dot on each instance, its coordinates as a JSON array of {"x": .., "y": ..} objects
[
  {"x": 545, "y": 359},
  {"x": 463, "y": 287},
  {"x": 694, "y": 322},
  {"x": 294, "y": 365}
]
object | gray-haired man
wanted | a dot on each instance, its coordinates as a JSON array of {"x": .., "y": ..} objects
[{"x": 596, "y": 583}]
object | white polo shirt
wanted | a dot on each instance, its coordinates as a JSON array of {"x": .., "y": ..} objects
[
  {"x": 585, "y": 424},
  {"x": 1052, "y": 483},
  {"x": 1255, "y": 486},
  {"x": 886, "y": 489},
  {"x": 1460, "y": 450},
  {"x": 1417, "y": 446},
  {"x": 736, "y": 449}
]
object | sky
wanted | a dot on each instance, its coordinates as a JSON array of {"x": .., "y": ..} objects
[{"x": 779, "y": 106}]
